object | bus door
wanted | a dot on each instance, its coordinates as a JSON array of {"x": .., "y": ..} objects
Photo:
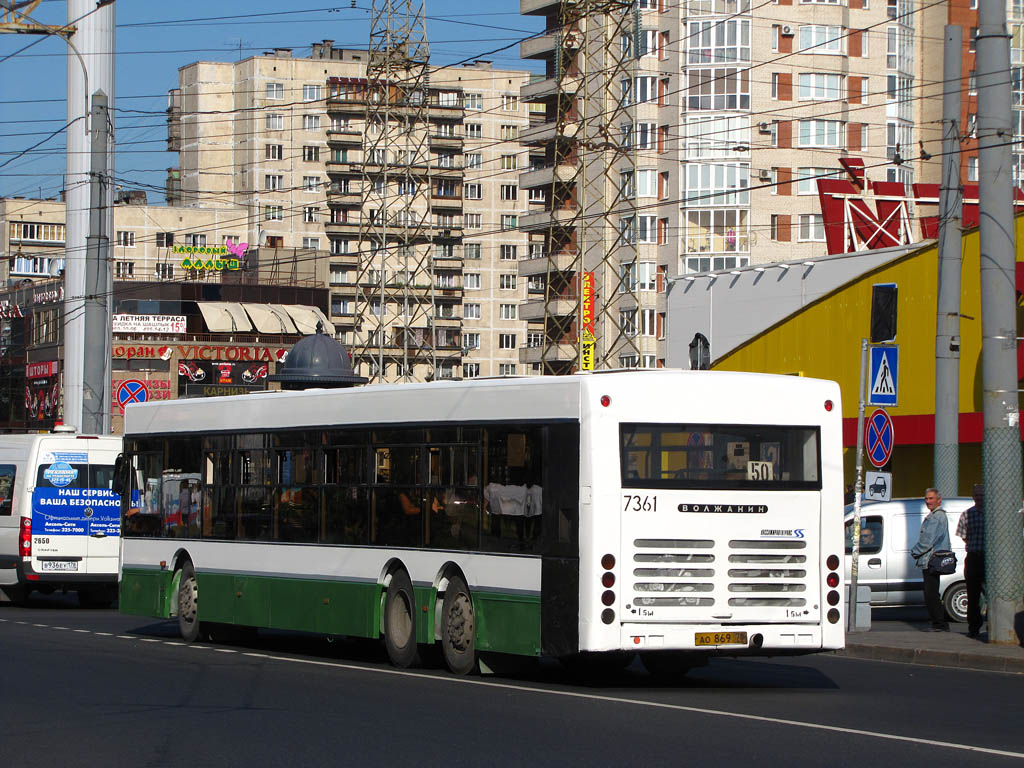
[{"x": 75, "y": 515}]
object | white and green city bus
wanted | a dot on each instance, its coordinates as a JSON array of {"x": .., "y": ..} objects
[{"x": 674, "y": 514}]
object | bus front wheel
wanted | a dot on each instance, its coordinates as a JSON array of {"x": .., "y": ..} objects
[
  {"x": 458, "y": 628},
  {"x": 188, "y": 604},
  {"x": 400, "y": 621}
]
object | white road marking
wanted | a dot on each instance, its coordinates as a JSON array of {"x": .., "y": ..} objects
[
  {"x": 651, "y": 704},
  {"x": 36, "y": 625},
  {"x": 64, "y": 628},
  {"x": 224, "y": 650},
  {"x": 172, "y": 642},
  {"x": 83, "y": 631},
  {"x": 149, "y": 640},
  {"x": 104, "y": 634},
  {"x": 127, "y": 637}
]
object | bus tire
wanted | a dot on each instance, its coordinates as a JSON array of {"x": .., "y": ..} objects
[
  {"x": 458, "y": 628},
  {"x": 400, "y": 621},
  {"x": 188, "y": 604}
]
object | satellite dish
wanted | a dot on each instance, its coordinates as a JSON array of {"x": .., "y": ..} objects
[
  {"x": 261, "y": 239},
  {"x": 56, "y": 267}
]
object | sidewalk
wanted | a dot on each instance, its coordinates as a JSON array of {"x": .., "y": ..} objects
[{"x": 908, "y": 642}]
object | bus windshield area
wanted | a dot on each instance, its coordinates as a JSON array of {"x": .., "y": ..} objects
[
  {"x": 720, "y": 456},
  {"x": 81, "y": 476}
]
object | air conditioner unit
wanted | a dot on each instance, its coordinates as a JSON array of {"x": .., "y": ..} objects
[
  {"x": 786, "y": 30},
  {"x": 765, "y": 174},
  {"x": 764, "y": 127}
]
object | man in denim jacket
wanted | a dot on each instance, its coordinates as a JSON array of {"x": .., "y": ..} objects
[{"x": 934, "y": 536}]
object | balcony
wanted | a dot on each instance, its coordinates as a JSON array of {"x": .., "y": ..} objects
[
  {"x": 446, "y": 140},
  {"x": 542, "y": 220},
  {"x": 543, "y": 89},
  {"x": 348, "y": 227},
  {"x": 344, "y": 137},
  {"x": 561, "y": 306},
  {"x": 337, "y": 193},
  {"x": 445, "y": 200},
  {"x": 563, "y": 353},
  {"x": 539, "y": 47},
  {"x": 543, "y": 177},
  {"x": 563, "y": 261},
  {"x": 538, "y": 134},
  {"x": 530, "y": 7}
]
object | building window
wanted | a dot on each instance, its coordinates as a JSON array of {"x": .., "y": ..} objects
[
  {"x": 717, "y": 184},
  {"x": 470, "y": 370},
  {"x": 124, "y": 269},
  {"x": 471, "y": 311},
  {"x": 340, "y": 247},
  {"x": 638, "y": 89},
  {"x": 126, "y": 239},
  {"x": 273, "y": 213},
  {"x": 164, "y": 271},
  {"x": 472, "y": 281},
  {"x": 472, "y": 191},
  {"x": 474, "y": 131},
  {"x": 509, "y": 192},
  {"x": 807, "y": 179},
  {"x": 510, "y": 133},
  {"x": 310, "y": 214},
  {"x": 507, "y": 282},
  {"x": 447, "y": 98},
  {"x": 507, "y": 253},
  {"x": 718, "y": 89},
  {"x": 164, "y": 239},
  {"x": 506, "y": 369},
  {"x": 718, "y": 42},
  {"x": 340, "y": 275},
  {"x": 274, "y": 151},
  {"x": 716, "y": 231},
  {"x": 273, "y": 181},
  {"x": 311, "y": 154},
  {"x": 473, "y": 220},
  {"x": 509, "y": 102},
  {"x": 473, "y": 160},
  {"x": 817, "y": 85},
  {"x": 811, "y": 227},
  {"x": 311, "y": 243},
  {"x": 275, "y": 90},
  {"x": 473, "y": 100},
  {"x": 470, "y": 341},
  {"x": 341, "y": 305},
  {"x": 275, "y": 122},
  {"x": 642, "y": 135},
  {"x": 472, "y": 250},
  {"x": 972, "y": 168},
  {"x": 311, "y": 93},
  {"x": 717, "y": 136},
  {"x": 509, "y": 162},
  {"x": 311, "y": 122},
  {"x": 821, "y": 133},
  {"x": 819, "y": 38},
  {"x": 506, "y": 341},
  {"x": 310, "y": 183},
  {"x": 195, "y": 240},
  {"x": 509, "y": 222},
  {"x": 507, "y": 311}
]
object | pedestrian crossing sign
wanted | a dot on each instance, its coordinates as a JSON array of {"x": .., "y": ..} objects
[{"x": 883, "y": 376}]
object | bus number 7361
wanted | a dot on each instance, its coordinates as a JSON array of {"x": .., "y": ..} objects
[{"x": 640, "y": 503}]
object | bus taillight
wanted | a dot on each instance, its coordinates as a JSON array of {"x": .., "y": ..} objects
[
  {"x": 25, "y": 538},
  {"x": 832, "y": 581},
  {"x": 608, "y": 580},
  {"x": 828, "y": 406}
]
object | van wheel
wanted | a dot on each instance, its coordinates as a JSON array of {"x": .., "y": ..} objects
[
  {"x": 400, "y": 621},
  {"x": 955, "y": 601},
  {"x": 188, "y": 604},
  {"x": 458, "y": 628}
]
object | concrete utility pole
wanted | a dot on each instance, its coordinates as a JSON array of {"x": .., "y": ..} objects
[
  {"x": 98, "y": 283},
  {"x": 94, "y": 40},
  {"x": 947, "y": 321},
  {"x": 1001, "y": 459}
]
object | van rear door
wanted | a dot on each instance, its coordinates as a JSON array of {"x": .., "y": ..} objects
[
  {"x": 906, "y": 584},
  {"x": 872, "y": 563}
]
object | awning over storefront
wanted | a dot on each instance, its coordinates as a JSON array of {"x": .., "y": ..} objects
[
  {"x": 306, "y": 318},
  {"x": 224, "y": 316},
  {"x": 270, "y": 318}
]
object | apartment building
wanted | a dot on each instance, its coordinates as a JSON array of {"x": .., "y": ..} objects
[
  {"x": 285, "y": 138},
  {"x": 728, "y": 112}
]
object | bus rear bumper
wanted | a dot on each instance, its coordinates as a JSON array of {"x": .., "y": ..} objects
[{"x": 718, "y": 639}]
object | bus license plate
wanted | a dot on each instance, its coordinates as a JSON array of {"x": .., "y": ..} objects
[
  {"x": 58, "y": 565},
  {"x": 721, "y": 638}
]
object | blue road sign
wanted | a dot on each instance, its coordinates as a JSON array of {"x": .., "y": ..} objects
[
  {"x": 879, "y": 437},
  {"x": 883, "y": 375},
  {"x": 132, "y": 391}
]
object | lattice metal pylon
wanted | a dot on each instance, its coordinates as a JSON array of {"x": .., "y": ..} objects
[
  {"x": 395, "y": 304},
  {"x": 591, "y": 242}
]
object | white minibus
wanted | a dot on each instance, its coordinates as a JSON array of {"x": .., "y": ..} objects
[{"x": 59, "y": 519}]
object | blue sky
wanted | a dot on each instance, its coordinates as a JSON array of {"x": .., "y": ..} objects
[{"x": 154, "y": 39}]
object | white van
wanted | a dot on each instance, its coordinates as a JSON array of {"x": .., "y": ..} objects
[
  {"x": 889, "y": 529},
  {"x": 60, "y": 522}
]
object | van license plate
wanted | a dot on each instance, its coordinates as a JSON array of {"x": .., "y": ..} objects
[
  {"x": 721, "y": 638},
  {"x": 58, "y": 565}
]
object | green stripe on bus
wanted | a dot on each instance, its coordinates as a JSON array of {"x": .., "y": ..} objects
[{"x": 505, "y": 623}]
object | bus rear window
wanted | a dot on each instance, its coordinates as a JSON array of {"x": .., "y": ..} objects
[{"x": 720, "y": 456}]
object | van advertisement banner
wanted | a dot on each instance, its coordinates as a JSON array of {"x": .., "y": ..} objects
[
  {"x": 202, "y": 378},
  {"x": 75, "y": 511}
]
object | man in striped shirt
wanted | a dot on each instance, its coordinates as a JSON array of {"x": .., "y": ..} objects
[{"x": 971, "y": 529}]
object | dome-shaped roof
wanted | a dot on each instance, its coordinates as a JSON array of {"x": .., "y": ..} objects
[{"x": 317, "y": 361}]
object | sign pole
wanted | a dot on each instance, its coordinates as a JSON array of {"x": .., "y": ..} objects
[{"x": 858, "y": 490}]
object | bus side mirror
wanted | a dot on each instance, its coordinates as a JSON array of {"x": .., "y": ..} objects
[{"x": 118, "y": 483}]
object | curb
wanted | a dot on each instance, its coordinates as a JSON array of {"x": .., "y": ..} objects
[{"x": 956, "y": 660}]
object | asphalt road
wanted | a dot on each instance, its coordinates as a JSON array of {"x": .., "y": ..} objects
[{"x": 92, "y": 687}]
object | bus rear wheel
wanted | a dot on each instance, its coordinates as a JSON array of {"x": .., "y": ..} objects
[
  {"x": 400, "y": 621},
  {"x": 188, "y": 604},
  {"x": 458, "y": 628}
]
